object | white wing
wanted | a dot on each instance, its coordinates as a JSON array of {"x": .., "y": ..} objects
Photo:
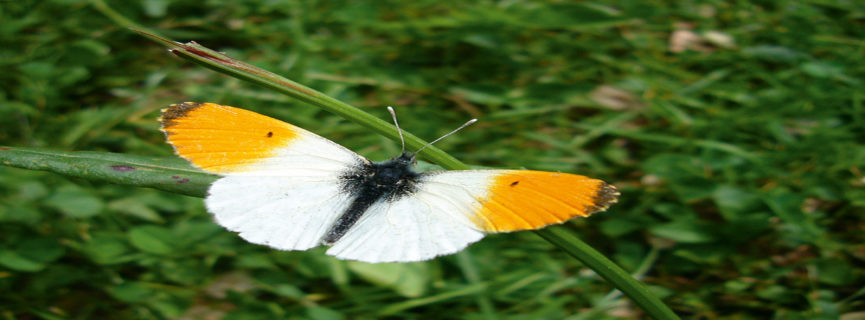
[
  {"x": 280, "y": 184},
  {"x": 287, "y": 213}
]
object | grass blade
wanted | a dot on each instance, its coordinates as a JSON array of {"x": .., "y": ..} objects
[
  {"x": 565, "y": 239},
  {"x": 169, "y": 174}
]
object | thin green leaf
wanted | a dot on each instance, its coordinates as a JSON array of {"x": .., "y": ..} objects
[
  {"x": 168, "y": 174},
  {"x": 565, "y": 239}
]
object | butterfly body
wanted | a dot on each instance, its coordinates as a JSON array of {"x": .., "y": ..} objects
[
  {"x": 287, "y": 188},
  {"x": 372, "y": 182}
]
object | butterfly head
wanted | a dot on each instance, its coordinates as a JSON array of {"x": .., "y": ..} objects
[
  {"x": 411, "y": 157},
  {"x": 406, "y": 158}
]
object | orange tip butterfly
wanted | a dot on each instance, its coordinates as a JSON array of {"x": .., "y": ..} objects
[{"x": 290, "y": 189}]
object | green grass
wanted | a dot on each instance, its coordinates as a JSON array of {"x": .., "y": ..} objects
[{"x": 740, "y": 166}]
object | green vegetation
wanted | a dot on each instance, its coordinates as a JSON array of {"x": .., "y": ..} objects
[{"x": 734, "y": 131}]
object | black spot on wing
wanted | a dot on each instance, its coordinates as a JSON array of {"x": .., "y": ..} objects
[{"x": 270, "y": 134}]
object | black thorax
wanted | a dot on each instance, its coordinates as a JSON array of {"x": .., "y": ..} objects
[{"x": 369, "y": 183}]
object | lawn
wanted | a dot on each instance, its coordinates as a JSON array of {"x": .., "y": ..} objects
[{"x": 735, "y": 132}]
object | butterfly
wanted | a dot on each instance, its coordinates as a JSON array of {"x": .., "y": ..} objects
[{"x": 290, "y": 189}]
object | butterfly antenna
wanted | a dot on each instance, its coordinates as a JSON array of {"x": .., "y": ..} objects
[
  {"x": 442, "y": 137},
  {"x": 398, "y": 129}
]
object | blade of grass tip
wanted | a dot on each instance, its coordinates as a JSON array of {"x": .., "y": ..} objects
[
  {"x": 227, "y": 65},
  {"x": 167, "y": 174},
  {"x": 565, "y": 239}
]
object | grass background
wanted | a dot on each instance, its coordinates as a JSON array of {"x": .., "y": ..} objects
[{"x": 739, "y": 157}]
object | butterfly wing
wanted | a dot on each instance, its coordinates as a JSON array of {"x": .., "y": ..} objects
[
  {"x": 453, "y": 209},
  {"x": 414, "y": 228},
  {"x": 231, "y": 141},
  {"x": 512, "y": 200},
  {"x": 280, "y": 184}
]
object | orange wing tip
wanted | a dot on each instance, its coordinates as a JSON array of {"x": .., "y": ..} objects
[
  {"x": 521, "y": 200},
  {"x": 223, "y": 139}
]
